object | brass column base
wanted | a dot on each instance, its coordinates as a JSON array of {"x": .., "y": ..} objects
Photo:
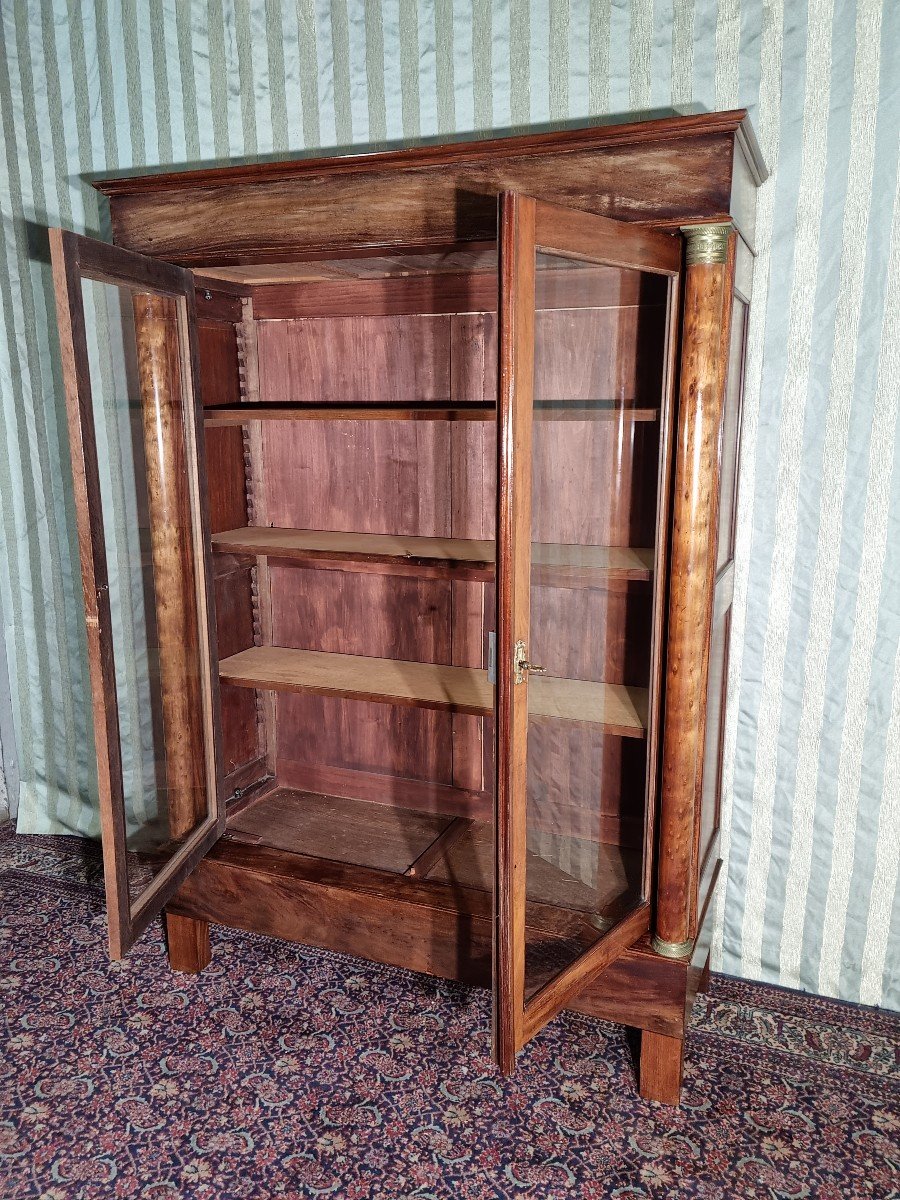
[{"x": 671, "y": 949}]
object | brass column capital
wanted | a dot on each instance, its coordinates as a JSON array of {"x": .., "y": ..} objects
[{"x": 707, "y": 244}]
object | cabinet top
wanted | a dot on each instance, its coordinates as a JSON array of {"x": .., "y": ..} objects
[
  {"x": 587, "y": 138},
  {"x": 664, "y": 172}
]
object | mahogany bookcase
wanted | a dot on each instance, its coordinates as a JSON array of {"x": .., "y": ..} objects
[{"x": 405, "y": 486}]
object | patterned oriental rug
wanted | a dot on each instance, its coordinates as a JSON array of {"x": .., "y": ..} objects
[{"x": 289, "y": 1072}]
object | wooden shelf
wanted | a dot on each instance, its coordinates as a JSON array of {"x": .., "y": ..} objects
[
  {"x": 592, "y": 410},
  {"x": 622, "y": 710},
  {"x": 572, "y": 565},
  {"x": 476, "y": 410},
  {"x": 240, "y": 414}
]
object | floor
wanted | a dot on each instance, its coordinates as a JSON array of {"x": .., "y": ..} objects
[{"x": 284, "y": 1071}]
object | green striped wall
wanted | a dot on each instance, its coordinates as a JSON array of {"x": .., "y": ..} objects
[{"x": 812, "y": 818}]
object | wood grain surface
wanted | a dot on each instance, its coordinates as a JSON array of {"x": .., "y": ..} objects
[
  {"x": 562, "y": 562},
  {"x": 672, "y": 171},
  {"x": 334, "y": 827},
  {"x": 187, "y": 943},
  {"x": 456, "y": 689},
  {"x": 704, "y": 352},
  {"x": 544, "y": 145}
]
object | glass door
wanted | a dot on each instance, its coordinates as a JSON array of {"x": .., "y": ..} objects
[
  {"x": 127, "y": 337},
  {"x": 586, "y": 359}
]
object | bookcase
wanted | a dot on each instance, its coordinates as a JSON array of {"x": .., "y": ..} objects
[{"x": 405, "y": 487}]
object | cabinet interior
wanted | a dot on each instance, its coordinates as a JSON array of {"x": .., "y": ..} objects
[{"x": 353, "y": 538}]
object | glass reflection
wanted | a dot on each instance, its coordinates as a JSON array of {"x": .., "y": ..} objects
[
  {"x": 158, "y": 818},
  {"x": 599, "y": 339}
]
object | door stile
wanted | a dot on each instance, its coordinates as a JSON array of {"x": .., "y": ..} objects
[
  {"x": 166, "y": 387},
  {"x": 514, "y": 421}
]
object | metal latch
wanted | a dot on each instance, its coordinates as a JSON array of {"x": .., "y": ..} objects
[{"x": 521, "y": 665}]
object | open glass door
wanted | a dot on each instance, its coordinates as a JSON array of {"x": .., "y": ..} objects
[
  {"x": 586, "y": 357},
  {"x": 127, "y": 335}
]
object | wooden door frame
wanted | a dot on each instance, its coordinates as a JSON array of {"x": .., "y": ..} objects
[
  {"x": 526, "y": 225},
  {"x": 74, "y": 259}
]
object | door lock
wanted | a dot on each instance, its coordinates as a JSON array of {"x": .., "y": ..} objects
[{"x": 521, "y": 665}]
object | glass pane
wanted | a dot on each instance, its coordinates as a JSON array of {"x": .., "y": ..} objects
[
  {"x": 598, "y": 373},
  {"x": 731, "y": 433},
  {"x": 153, "y": 580}
]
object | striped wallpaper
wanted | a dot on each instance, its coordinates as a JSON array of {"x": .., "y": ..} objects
[{"x": 812, "y": 817}]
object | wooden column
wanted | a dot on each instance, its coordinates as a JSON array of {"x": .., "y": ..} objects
[
  {"x": 172, "y": 552},
  {"x": 707, "y": 311}
]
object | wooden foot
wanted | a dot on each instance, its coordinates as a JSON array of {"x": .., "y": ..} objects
[
  {"x": 188, "y": 943},
  {"x": 662, "y": 1059}
]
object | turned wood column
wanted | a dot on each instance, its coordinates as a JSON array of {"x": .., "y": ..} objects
[
  {"x": 707, "y": 312},
  {"x": 174, "y": 574}
]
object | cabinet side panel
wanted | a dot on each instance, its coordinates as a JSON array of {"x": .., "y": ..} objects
[
  {"x": 219, "y": 369},
  {"x": 743, "y": 195},
  {"x": 227, "y": 496},
  {"x": 220, "y": 384},
  {"x": 234, "y": 627}
]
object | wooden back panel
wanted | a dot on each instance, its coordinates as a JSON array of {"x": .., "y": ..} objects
[
  {"x": 383, "y": 477},
  {"x": 355, "y": 359},
  {"x": 438, "y": 480}
]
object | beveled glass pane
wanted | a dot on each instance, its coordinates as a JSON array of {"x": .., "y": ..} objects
[
  {"x": 142, "y": 450},
  {"x": 598, "y": 375}
]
